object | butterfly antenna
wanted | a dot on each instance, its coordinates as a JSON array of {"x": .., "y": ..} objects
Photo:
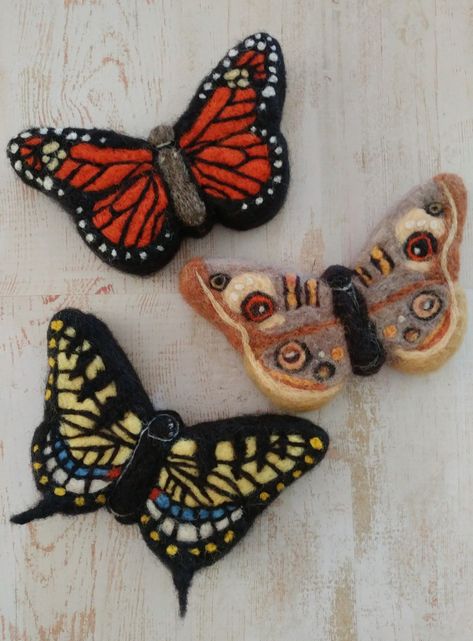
[
  {"x": 40, "y": 511},
  {"x": 182, "y": 581}
]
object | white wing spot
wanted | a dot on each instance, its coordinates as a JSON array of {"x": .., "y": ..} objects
[
  {"x": 226, "y": 62},
  {"x": 143, "y": 255},
  {"x": 259, "y": 200},
  {"x": 82, "y": 224},
  {"x": 262, "y": 105},
  {"x": 270, "y": 191},
  {"x": 277, "y": 163},
  {"x": 114, "y": 253},
  {"x": 127, "y": 256},
  {"x": 232, "y": 53},
  {"x": 273, "y": 139},
  {"x": 18, "y": 165},
  {"x": 168, "y": 235},
  {"x": 58, "y": 131},
  {"x": 249, "y": 42},
  {"x": 272, "y": 69},
  {"x": 160, "y": 248},
  {"x": 273, "y": 47},
  {"x": 43, "y": 130},
  {"x": 244, "y": 206},
  {"x": 278, "y": 150},
  {"x": 85, "y": 137},
  {"x": 261, "y": 46},
  {"x": 268, "y": 92},
  {"x": 14, "y": 148},
  {"x": 89, "y": 238},
  {"x": 273, "y": 79},
  {"x": 48, "y": 183},
  {"x": 79, "y": 210},
  {"x": 60, "y": 192},
  {"x": 202, "y": 96},
  {"x": 72, "y": 136},
  {"x": 103, "y": 139},
  {"x": 28, "y": 174},
  {"x": 273, "y": 56},
  {"x": 264, "y": 132},
  {"x": 216, "y": 76},
  {"x": 103, "y": 248},
  {"x": 25, "y": 134},
  {"x": 258, "y": 36},
  {"x": 277, "y": 179}
]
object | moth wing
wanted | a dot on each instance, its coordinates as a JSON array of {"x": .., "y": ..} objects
[
  {"x": 95, "y": 409},
  {"x": 110, "y": 185},
  {"x": 409, "y": 275},
  {"x": 293, "y": 347},
  {"x": 231, "y": 138},
  {"x": 216, "y": 479}
]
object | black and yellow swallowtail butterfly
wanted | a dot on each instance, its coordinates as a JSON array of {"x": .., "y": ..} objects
[{"x": 194, "y": 492}]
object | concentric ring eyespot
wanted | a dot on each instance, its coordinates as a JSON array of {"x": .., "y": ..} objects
[
  {"x": 420, "y": 246},
  {"x": 257, "y": 307},
  {"x": 426, "y": 306},
  {"x": 293, "y": 356},
  {"x": 219, "y": 281},
  {"x": 434, "y": 209},
  {"x": 411, "y": 335},
  {"x": 323, "y": 371}
]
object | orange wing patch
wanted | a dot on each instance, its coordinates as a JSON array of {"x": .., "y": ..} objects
[{"x": 227, "y": 159}]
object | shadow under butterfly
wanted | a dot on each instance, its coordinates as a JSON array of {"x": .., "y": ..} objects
[
  {"x": 224, "y": 160},
  {"x": 193, "y": 491},
  {"x": 302, "y": 336}
]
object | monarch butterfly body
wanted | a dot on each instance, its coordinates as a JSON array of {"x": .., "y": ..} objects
[
  {"x": 224, "y": 160},
  {"x": 301, "y": 337},
  {"x": 193, "y": 491}
]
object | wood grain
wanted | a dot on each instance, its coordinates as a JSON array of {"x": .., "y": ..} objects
[{"x": 377, "y": 543}]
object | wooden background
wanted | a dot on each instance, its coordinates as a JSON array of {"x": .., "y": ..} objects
[{"x": 377, "y": 543}]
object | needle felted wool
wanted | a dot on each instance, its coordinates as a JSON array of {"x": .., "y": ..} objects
[
  {"x": 302, "y": 336},
  {"x": 225, "y": 160},
  {"x": 193, "y": 491}
]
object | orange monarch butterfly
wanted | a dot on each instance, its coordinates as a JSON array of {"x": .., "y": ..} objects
[
  {"x": 224, "y": 160},
  {"x": 302, "y": 336},
  {"x": 193, "y": 491}
]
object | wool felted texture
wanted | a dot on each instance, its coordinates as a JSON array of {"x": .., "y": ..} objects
[
  {"x": 302, "y": 336},
  {"x": 225, "y": 160},
  {"x": 193, "y": 491}
]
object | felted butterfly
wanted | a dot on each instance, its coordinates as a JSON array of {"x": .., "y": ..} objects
[
  {"x": 302, "y": 336},
  {"x": 224, "y": 160},
  {"x": 194, "y": 491}
]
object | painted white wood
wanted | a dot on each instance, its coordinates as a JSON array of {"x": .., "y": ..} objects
[{"x": 377, "y": 543}]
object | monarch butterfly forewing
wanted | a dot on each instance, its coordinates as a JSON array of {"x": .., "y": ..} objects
[
  {"x": 110, "y": 185},
  {"x": 234, "y": 147}
]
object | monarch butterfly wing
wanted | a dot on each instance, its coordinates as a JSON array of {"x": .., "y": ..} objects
[
  {"x": 231, "y": 138},
  {"x": 95, "y": 409},
  {"x": 216, "y": 479},
  {"x": 283, "y": 324},
  {"x": 110, "y": 185},
  {"x": 408, "y": 274}
]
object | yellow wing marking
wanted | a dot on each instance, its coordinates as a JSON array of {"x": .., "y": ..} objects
[
  {"x": 79, "y": 425},
  {"x": 182, "y": 480}
]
